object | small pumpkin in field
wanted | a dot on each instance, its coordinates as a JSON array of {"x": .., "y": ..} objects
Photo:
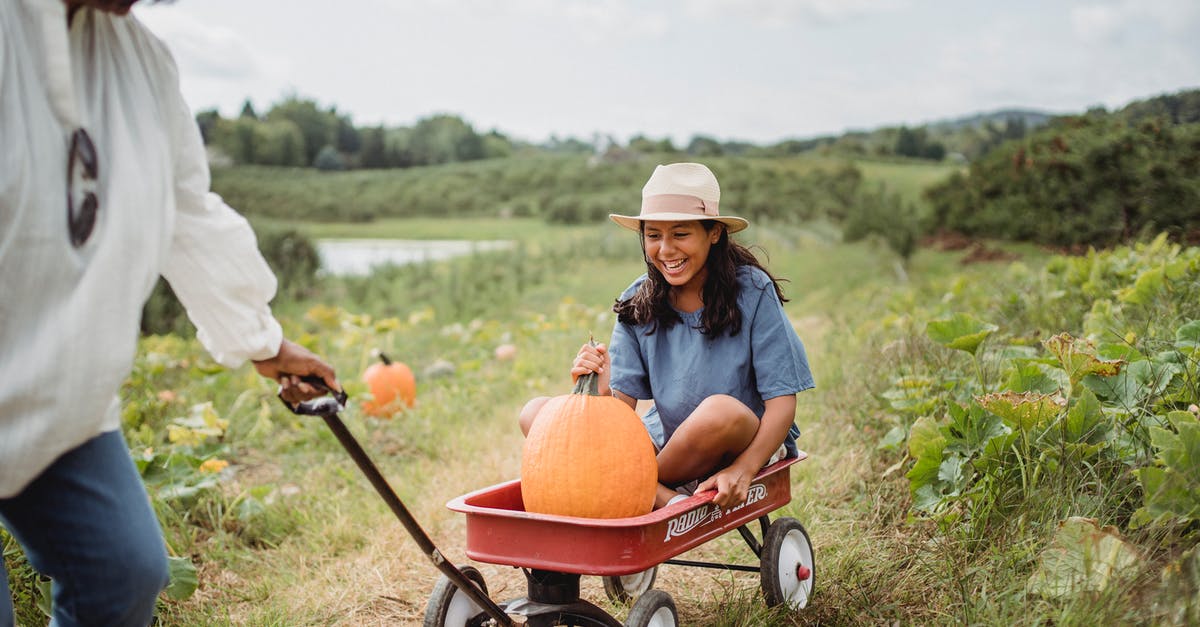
[
  {"x": 588, "y": 455},
  {"x": 392, "y": 387}
]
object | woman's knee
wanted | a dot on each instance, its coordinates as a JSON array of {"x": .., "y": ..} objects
[
  {"x": 530, "y": 411},
  {"x": 119, "y": 587},
  {"x": 726, "y": 414}
]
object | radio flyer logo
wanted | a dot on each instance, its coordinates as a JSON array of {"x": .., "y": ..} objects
[{"x": 693, "y": 519}]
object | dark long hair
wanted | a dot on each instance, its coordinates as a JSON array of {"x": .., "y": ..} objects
[{"x": 651, "y": 302}]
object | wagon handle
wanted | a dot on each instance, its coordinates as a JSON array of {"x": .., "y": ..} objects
[{"x": 328, "y": 408}]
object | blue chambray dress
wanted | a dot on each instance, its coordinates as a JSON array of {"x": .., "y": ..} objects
[{"x": 680, "y": 367}]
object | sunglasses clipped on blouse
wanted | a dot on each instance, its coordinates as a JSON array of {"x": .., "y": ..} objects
[{"x": 82, "y": 201}]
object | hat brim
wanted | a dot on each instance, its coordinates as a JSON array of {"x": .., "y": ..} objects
[{"x": 733, "y": 224}]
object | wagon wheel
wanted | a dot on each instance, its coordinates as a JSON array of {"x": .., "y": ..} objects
[
  {"x": 626, "y": 588},
  {"x": 653, "y": 609},
  {"x": 450, "y": 607},
  {"x": 788, "y": 570}
]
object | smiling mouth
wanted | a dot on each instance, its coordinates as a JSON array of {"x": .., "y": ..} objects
[{"x": 674, "y": 265}]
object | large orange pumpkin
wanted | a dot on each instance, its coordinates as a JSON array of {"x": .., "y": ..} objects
[
  {"x": 588, "y": 455},
  {"x": 392, "y": 387}
]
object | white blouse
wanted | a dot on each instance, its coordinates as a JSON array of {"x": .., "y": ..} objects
[{"x": 69, "y": 317}]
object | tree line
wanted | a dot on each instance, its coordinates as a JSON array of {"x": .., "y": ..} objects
[
  {"x": 1094, "y": 179},
  {"x": 299, "y": 132}
]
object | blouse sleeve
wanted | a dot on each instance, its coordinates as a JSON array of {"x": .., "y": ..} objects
[
  {"x": 780, "y": 362},
  {"x": 213, "y": 264},
  {"x": 629, "y": 373}
]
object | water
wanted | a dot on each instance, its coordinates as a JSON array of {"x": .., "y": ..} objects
[{"x": 358, "y": 256}]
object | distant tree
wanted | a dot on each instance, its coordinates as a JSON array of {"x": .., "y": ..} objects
[
  {"x": 248, "y": 110},
  {"x": 570, "y": 145},
  {"x": 374, "y": 150},
  {"x": 347, "y": 138},
  {"x": 495, "y": 144},
  {"x": 207, "y": 121},
  {"x": 643, "y": 144},
  {"x": 245, "y": 141},
  {"x": 444, "y": 139},
  {"x": 908, "y": 142},
  {"x": 318, "y": 127},
  {"x": 702, "y": 146},
  {"x": 329, "y": 159}
]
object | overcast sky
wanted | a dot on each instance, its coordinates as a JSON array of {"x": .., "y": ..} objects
[{"x": 754, "y": 70}]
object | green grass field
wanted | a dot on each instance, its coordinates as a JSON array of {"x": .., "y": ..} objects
[{"x": 289, "y": 533}]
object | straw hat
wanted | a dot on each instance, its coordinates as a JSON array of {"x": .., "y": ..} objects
[{"x": 678, "y": 192}]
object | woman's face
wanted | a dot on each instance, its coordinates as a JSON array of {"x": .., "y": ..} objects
[{"x": 679, "y": 250}]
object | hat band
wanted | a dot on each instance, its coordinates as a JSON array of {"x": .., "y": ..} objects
[{"x": 678, "y": 203}]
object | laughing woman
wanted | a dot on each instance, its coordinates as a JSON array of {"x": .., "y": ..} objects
[{"x": 704, "y": 335}]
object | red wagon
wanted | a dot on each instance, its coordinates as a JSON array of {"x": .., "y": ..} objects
[{"x": 555, "y": 551}]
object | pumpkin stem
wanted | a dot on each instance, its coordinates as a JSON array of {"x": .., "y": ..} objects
[
  {"x": 384, "y": 359},
  {"x": 589, "y": 383}
]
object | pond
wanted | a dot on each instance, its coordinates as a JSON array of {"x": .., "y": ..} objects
[{"x": 359, "y": 256}]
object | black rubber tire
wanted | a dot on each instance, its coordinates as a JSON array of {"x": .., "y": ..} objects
[
  {"x": 624, "y": 589},
  {"x": 786, "y": 550},
  {"x": 450, "y": 607},
  {"x": 655, "y": 608}
]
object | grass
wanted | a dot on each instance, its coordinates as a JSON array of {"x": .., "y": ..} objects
[
  {"x": 345, "y": 560},
  {"x": 322, "y": 549}
]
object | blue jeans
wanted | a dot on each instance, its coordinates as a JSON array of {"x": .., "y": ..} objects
[{"x": 86, "y": 523}]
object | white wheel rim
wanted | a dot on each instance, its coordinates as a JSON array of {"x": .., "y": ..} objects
[
  {"x": 637, "y": 583},
  {"x": 460, "y": 609},
  {"x": 662, "y": 617},
  {"x": 794, "y": 551}
]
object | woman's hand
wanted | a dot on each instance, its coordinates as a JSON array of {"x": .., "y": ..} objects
[
  {"x": 292, "y": 362},
  {"x": 593, "y": 358},
  {"x": 731, "y": 483}
]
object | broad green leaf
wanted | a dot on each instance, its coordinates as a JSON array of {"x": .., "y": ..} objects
[
  {"x": 1035, "y": 376},
  {"x": 971, "y": 428},
  {"x": 1085, "y": 420},
  {"x": 1136, "y": 383},
  {"x": 1082, "y": 557},
  {"x": 1022, "y": 411},
  {"x": 1078, "y": 358},
  {"x": 954, "y": 474},
  {"x": 925, "y": 439},
  {"x": 926, "y": 498},
  {"x": 1171, "y": 488},
  {"x": 960, "y": 331},
  {"x": 182, "y": 577},
  {"x": 893, "y": 440},
  {"x": 925, "y": 444},
  {"x": 1148, "y": 284},
  {"x": 1188, "y": 335}
]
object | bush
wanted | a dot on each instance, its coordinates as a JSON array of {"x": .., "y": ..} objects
[
  {"x": 292, "y": 257},
  {"x": 1086, "y": 181}
]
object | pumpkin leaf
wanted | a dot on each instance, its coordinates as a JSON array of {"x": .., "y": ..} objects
[
  {"x": 971, "y": 429},
  {"x": 1171, "y": 488},
  {"x": 1035, "y": 376},
  {"x": 1022, "y": 411},
  {"x": 1078, "y": 358},
  {"x": 1148, "y": 284},
  {"x": 961, "y": 332},
  {"x": 1082, "y": 557},
  {"x": 1188, "y": 335},
  {"x": 1136, "y": 383},
  {"x": 182, "y": 578}
]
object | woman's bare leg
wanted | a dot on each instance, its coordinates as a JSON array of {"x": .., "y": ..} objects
[
  {"x": 715, "y": 433},
  {"x": 530, "y": 411}
]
